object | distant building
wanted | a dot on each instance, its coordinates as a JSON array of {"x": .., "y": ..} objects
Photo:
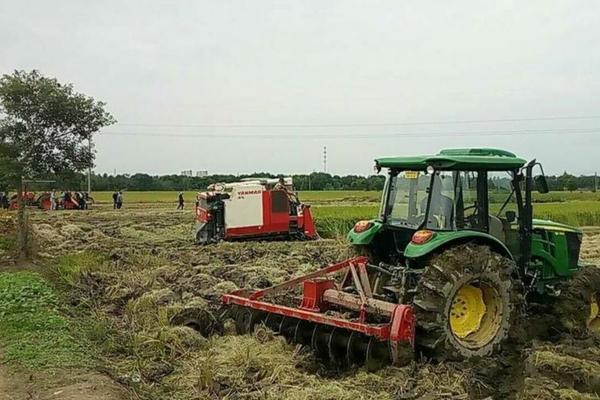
[
  {"x": 202, "y": 174},
  {"x": 187, "y": 172}
]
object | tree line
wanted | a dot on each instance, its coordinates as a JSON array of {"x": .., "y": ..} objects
[{"x": 314, "y": 181}]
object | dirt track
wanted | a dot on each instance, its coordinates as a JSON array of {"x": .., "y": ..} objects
[
  {"x": 153, "y": 270},
  {"x": 70, "y": 385}
]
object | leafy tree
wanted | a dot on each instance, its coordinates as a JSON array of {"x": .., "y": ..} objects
[
  {"x": 45, "y": 127},
  {"x": 571, "y": 184},
  {"x": 10, "y": 171},
  {"x": 47, "y": 124},
  {"x": 567, "y": 180}
]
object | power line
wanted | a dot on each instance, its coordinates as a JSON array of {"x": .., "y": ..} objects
[
  {"x": 521, "y": 132},
  {"x": 368, "y": 124}
]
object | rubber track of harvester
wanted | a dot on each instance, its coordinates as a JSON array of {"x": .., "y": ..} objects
[{"x": 440, "y": 280}]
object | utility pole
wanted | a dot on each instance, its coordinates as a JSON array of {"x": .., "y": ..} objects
[
  {"x": 324, "y": 158},
  {"x": 23, "y": 234},
  {"x": 89, "y": 181},
  {"x": 595, "y": 182},
  {"x": 22, "y": 231}
]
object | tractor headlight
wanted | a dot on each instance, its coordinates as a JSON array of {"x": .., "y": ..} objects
[
  {"x": 421, "y": 237},
  {"x": 362, "y": 226}
]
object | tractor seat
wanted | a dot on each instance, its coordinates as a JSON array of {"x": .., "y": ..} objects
[{"x": 497, "y": 228}]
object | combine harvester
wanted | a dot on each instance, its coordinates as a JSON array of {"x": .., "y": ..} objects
[
  {"x": 253, "y": 209},
  {"x": 452, "y": 259}
]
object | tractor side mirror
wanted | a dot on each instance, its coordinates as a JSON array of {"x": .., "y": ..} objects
[{"x": 541, "y": 184}]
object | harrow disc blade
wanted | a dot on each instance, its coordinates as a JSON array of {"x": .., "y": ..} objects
[
  {"x": 246, "y": 319},
  {"x": 303, "y": 332},
  {"x": 401, "y": 354},
  {"x": 337, "y": 345},
  {"x": 287, "y": 328},
  {"x": 320, "y": 340},
  {"x": 273, "y": 321},
  {"x": 378, "y": 354},
  {"x": 356, "y": 350},
  {"x": 226, "y": 312},
  {"x": 202, "y": 320}
]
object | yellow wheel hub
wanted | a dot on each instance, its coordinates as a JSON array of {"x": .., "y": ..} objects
[
  {"x": 594, "y": 318},
  {"x": 475, "y": 314},
  {"x": 467, "y": 311}
]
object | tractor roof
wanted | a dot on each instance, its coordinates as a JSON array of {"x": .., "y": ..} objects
[{"x": 456, "y": 159}]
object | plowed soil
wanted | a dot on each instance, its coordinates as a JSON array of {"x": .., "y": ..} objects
[{"x": 136, "y": 268}]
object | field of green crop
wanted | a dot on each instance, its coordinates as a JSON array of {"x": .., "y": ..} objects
[
  {"x": 333, "y": 196},
  {"x": 337, "y": 211},
  {"x": 309, "y": 197}
]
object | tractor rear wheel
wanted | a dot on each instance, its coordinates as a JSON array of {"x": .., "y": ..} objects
[
  {"x": 467, "y": 301},
  {"x": 578, "y": 305}
]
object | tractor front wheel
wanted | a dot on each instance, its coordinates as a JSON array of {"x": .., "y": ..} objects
[
  {"x": 578, "y": 304},
  {"x": 467, "y": 301}
]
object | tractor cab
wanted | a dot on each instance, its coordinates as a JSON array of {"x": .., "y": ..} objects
[{"x": 466, "y": 195}]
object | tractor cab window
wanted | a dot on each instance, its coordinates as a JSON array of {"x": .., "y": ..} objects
[
  {"x": 455, "y": 201},
  {"x": 407, "y": 202},
  {"x": 503, "y": 208},
  {"x": 502, "y": 197}
]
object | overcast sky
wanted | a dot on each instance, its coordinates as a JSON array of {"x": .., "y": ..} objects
[{"x": 264, "y": 85}]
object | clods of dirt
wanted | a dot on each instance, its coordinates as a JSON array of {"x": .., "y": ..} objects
[{"x": 152, "y": 276}]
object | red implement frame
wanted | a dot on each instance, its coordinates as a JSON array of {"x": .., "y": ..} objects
[{"x": 400, "y": 328}]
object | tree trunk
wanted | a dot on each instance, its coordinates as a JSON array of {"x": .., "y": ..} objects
[{"x": 22, "y": 225}]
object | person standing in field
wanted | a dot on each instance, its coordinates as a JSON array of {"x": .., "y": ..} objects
[
  {"x": 114, "y": 196},
  {"x": 77, "y": 196},
  {"x": 52, "y": 200},
  {"x": 86, "y": 199},
  {"x": 119, "y": 200},
  {"x": 181, "y": 201},
  {"x": 291, "y": 195}
]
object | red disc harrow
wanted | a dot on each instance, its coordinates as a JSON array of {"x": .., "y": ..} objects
[{"x": 341, "y": 319}]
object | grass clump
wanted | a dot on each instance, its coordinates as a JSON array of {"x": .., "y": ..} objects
[
  {"x": 264, "y": 366},
  {"x": 33, "y": 333},
  {"x": 68, "y": 268}
]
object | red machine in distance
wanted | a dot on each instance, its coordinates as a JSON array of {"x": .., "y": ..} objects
[
  {"x": 43, "y": 201},
  {"x": 260, "y": 209}
]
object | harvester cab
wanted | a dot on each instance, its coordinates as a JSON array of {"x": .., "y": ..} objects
[
  {"x": 261, "y": 209},
  {"x": 446, "y": 268}
]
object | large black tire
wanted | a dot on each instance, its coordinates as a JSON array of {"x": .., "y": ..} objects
[
  {"x": 574, "y": 305},
  {"x": 494, "y": 278}
]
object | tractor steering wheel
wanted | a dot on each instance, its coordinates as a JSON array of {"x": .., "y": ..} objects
[{"x": 470, "y": 207}]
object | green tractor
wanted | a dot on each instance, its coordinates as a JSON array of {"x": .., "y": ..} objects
[
  {"x": 450, "y": 267},
  {"x": 457, "y": 230}
]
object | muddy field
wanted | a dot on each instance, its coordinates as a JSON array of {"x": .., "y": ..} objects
[{"x": 126, "y": 273}]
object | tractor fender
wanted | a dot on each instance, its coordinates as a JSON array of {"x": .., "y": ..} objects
[
  {"x": 442, "y": 240},
  {"x": 365, "y": 236}
]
